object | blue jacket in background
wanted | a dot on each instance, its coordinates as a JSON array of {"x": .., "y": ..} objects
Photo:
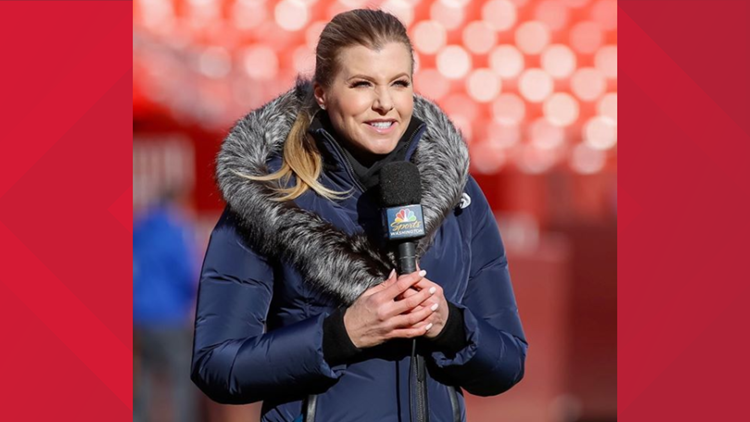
[{"x": 163, "y": 269}]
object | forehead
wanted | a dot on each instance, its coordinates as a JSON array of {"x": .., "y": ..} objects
[{"x": 391, "y": 60}]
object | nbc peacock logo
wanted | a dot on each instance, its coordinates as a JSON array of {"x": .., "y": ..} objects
[
  {"x": 405, "y": 215},
  {"x": 405, "y": 222}
]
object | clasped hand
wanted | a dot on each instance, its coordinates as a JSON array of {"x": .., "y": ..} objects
[{"x": 401, "y": 307}]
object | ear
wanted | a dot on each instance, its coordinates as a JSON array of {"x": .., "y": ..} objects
[{"x": 320, "y": 95}]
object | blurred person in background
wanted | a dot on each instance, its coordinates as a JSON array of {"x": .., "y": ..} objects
[
  {"x": 164, "y": 281},
  {"x": 298, "y": 304}
]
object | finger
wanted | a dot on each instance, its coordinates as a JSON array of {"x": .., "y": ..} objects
[
  {"x": 384, "y": 285},
  {"x": 436, "y": 298},
  {"x": 413, "y": 318},
  {"x": 410, "y": 332},
  {"x": 429, "y": 303},
  {"x": 402, "y": 284},
  {"x": 426, "y": 283},
  {"x": 407, "y": 304},
  {"x": 392, "y": 277},
  {"x": 426, "y": 324},
  {"x": 411, "y": 291}
]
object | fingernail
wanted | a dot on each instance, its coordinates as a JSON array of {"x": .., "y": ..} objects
[
  {"x": 393, "y": 272},
  {"x": 427, "y": 328},
  {"x": 423, "y": 273},
  {"x": 432, "y": 291},
  {"x": 435, "y": 306}
]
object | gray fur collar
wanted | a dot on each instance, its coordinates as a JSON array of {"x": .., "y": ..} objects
[{"x": 332, "y": 261}]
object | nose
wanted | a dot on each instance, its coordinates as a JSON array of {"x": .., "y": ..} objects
[{"x": 383, "y": 102}]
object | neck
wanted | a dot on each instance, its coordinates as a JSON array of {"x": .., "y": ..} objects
[{"x": 366, "y": 158}]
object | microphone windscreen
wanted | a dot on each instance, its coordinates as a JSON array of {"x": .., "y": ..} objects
[{"x": 400, "y": 184}]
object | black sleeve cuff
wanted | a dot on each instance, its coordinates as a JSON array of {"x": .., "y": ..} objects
[
  {"x": 337, "y": 346},
  {"x": 453, "y": 337}
]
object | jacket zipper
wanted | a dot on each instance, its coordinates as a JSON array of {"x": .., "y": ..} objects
[
  {"x": 422, "y": 390},
  {"x": 418, "y": 395},
  {"x": 310, "y": 408},
  {"x": 454, "y": 403}
]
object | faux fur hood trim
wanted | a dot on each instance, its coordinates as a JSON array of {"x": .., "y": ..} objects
[{"x": 331, "y": 260}]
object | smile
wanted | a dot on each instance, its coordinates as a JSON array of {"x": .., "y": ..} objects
[{"x": 382, "y": 127}]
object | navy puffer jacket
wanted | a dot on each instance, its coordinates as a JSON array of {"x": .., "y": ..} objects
[{"x": 274, "y": 270}]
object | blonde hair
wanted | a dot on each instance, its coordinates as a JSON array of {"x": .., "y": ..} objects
[{"x": 301, "y": 158}]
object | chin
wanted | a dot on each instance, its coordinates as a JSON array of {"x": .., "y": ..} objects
[{"x": 381, "y": 148}]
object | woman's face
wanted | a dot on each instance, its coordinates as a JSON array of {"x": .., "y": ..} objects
[{"x": 370, "y": 100}]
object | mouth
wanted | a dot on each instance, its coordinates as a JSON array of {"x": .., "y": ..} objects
[{"x": 382, "y": 126}]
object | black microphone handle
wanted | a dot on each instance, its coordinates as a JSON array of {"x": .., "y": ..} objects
[{"x": 407, "y": 258}]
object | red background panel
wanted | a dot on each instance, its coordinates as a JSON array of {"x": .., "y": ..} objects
[
  {"x": 683, "y": 228},
  {"x": 65, "y": 215}
]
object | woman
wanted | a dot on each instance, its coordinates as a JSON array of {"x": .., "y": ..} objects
[{"x": 297, "y": 251}]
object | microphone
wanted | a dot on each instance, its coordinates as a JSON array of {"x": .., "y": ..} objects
[{"x": 401, "y": 194}]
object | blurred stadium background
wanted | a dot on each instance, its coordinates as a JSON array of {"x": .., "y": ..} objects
[{"x": 532, "y": 84}]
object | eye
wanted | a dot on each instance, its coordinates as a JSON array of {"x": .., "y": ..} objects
[
  {"x": 404, "y": 83},
  {"x": 360, "y": 83}
]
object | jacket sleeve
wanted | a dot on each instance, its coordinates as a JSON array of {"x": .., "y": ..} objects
[
  {"x": 234, "y": 359},
  {"x": 494, "y": 357}
]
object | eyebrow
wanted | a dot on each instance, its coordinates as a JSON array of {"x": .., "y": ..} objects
[{"x": 369, "y": 78}]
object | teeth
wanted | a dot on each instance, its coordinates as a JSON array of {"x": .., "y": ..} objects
[{"x": 382, "y": 125}]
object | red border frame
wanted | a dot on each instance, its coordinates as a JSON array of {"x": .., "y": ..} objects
[
  {"x": 65, "y": 210},
  {"x": 683, "y": 140}
]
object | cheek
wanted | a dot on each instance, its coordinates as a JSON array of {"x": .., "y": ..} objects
[
  {"x": 354, "y": 107},
  {"x": 406, "y": 104}
]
